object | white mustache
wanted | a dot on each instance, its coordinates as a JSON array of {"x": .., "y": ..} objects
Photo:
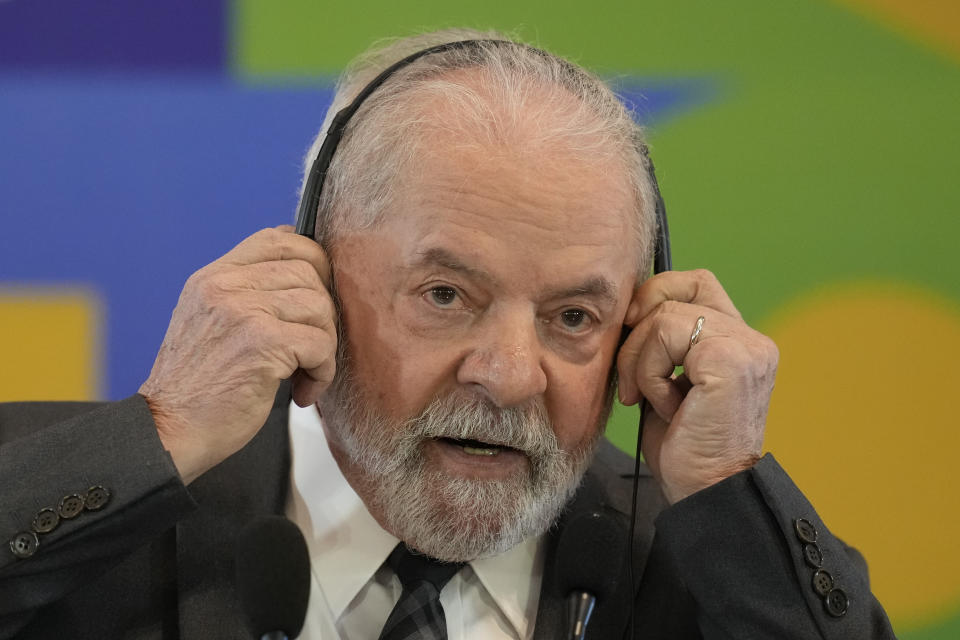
[{"x": 460, "y": 416}]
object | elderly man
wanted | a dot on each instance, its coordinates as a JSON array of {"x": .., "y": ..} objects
[{"x": 475, "y": 292}]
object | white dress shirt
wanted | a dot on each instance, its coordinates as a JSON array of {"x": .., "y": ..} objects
[{"x": 352, "y": 592}]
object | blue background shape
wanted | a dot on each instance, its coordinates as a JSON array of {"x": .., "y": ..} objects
[{"x": 126, "y": 184}]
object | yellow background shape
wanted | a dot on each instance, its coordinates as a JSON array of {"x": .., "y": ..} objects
[
  {"x": 935, "y": 23},
  {"x": 860, "y": 420},
  {"x": 50, "y": 345}
]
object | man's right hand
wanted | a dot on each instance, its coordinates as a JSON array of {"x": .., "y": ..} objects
[{"x": 256, "y": 316}]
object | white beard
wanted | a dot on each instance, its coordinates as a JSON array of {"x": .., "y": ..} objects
[{"x": 453, "y": 518}]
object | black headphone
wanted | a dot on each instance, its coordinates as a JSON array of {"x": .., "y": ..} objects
[{"x": 310, "y": 202}]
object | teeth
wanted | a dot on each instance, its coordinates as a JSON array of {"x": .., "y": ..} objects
[{"x": 476, "y": 451}]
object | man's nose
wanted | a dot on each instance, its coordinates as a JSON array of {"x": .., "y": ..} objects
[{"x": 506, "y": 363}]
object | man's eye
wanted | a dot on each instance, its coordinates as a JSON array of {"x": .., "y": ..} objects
[
  {"x": 573, "y": 318},
  {"x": 443, "y": 296}
]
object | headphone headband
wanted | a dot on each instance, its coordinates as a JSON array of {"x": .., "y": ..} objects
[{"x": 310, "y": 200}]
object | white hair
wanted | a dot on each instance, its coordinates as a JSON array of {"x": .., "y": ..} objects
[{"x": 524, "y": 97}]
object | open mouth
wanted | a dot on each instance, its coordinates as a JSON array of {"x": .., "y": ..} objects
[{"x": 476, "y": 447}]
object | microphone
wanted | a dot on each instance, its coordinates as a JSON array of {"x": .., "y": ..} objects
[
  {"x": 590, "y": 556},
  {"x": 273, "y": 577}
]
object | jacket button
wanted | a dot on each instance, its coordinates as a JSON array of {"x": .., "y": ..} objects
[
  {"x": 24, "y": 544},
  {"x": 805, "y": 531},
  {"x": 46, "y": 521},
  {"x": 813, "y": 555},
  {"x": 836, "y": 603},
  {"x": 97, "y": 497},
  {"x": 70, "y": 506},
  {"x": 822, "y": 583}
]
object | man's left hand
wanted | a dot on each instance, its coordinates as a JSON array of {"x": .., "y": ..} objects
[{"x": 707, "y": 424}]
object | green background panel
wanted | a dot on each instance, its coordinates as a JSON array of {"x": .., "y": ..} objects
[{"x": 818, "y": 157}]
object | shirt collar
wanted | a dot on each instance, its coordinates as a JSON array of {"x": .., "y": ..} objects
[
  {"x": 342, "y": 537},
  {"x": 513, "y": 581}
]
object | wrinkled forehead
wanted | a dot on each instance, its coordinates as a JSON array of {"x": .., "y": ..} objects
[{"x": 550, "y": 202}]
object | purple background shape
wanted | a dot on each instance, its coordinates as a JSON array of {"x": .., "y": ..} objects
[{"x": 114, "y": 34}]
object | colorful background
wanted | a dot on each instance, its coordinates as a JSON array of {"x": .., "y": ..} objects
[{"x": 807, "y": 151}]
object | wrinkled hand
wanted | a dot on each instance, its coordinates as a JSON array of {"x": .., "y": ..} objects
[
  {"x": 256, "y": 316},
  {"x": 708, "y": 422}
]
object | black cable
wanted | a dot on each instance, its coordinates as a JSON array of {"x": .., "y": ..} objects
[
  {"x": 662, "y": 261},
  {"x": 633, "y": 511}
]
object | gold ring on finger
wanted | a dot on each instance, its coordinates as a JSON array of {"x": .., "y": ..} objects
[{"x": 697, "y": 331}]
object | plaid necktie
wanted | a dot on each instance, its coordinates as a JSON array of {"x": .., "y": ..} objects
[{"x": 418, "y": 614}]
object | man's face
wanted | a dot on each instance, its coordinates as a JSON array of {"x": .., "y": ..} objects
[{"x": 481, "y": 317}]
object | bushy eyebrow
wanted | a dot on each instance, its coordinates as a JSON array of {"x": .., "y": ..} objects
[
  {"x": 598, "y": 288},
  {"x": 439, "y": 257}
]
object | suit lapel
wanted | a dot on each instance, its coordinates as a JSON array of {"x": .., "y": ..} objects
[{"x": 251, "y": 483}]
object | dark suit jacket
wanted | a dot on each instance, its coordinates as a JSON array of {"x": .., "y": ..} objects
[{"x": 156, "y": 561}]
